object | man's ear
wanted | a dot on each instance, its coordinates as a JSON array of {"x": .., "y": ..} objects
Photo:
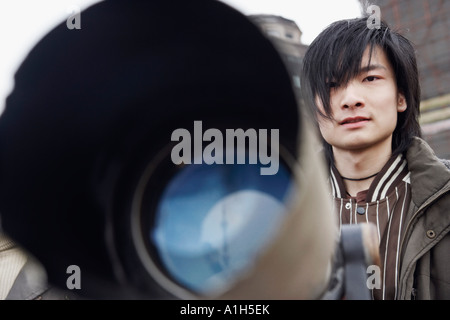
[{"x": 401, "y": 103}]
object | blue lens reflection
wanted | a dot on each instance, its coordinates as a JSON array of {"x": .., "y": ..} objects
[{"x": 213, "y": 220}]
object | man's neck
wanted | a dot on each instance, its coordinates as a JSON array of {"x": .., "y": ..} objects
[{"x": 360, "y": 164}]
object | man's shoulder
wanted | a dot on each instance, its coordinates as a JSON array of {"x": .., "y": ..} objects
[
  {"x": 420, "y": 150},
  {"x": 429, "y": 173}
]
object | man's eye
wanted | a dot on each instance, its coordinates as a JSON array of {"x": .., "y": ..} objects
[{"x": 371, "y": 78}]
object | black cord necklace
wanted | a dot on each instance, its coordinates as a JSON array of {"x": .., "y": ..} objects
[{"x": 360, "y": 179}]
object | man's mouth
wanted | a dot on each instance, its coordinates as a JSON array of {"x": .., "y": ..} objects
[{"x": 353, "y": 120}]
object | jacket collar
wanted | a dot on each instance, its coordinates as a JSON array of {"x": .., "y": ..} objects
[{"x": 428, "y": 174}]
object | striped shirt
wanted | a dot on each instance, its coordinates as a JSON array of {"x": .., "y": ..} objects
[{"x": 385, "y": 204}]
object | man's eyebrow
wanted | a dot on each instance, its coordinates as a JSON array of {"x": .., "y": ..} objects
[{"x": 372, "y": 67}]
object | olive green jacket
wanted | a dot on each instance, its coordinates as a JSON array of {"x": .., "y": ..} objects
[{"x": 425, "y": 245}]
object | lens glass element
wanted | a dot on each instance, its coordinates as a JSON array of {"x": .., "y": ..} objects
[{"x": 213, "y": 220}]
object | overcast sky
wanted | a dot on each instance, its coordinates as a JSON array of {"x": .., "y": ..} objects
[
  {"x": 24, "y": 22},
  {"x": 311, "y": 16}
]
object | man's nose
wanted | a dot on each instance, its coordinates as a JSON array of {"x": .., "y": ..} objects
[{"x": 350, "y": 96}]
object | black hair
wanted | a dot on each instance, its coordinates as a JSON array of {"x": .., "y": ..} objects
[{"x": 336, "y": 53}]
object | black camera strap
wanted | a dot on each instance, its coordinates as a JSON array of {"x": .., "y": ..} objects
[
  {"x": 355, "y": 264},
  {"x": 349, "y": 276}
]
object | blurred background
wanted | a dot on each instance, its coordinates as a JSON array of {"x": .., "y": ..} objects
[{"x": 291, "y": 25}]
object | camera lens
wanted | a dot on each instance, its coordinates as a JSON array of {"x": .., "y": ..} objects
[{"x": 210, "y": 223}]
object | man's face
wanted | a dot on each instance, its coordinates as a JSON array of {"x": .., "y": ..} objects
[{"x": 365, "y": 110}]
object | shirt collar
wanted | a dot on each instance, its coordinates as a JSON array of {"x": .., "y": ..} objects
[{"x": 394, "y": 171}]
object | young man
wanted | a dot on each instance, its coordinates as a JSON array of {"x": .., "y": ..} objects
[{"x": 363, "y": 84}]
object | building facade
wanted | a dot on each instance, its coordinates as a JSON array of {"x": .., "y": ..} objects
[{"x": 287, "y": 38}]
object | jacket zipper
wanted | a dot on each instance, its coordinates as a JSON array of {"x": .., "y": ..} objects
[
  {"x": 419, "y": 210},
  {"x": 414, "y": 217}
]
